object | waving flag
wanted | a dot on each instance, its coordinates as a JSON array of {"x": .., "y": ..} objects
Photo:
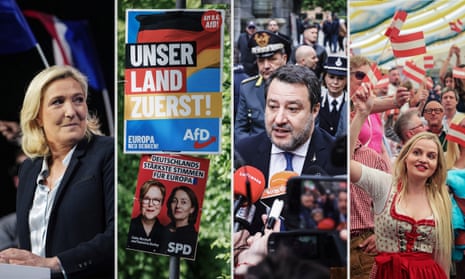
[
  {"x": 456, "y": 134},
  {"x": 414, "y": 72},
  {"x": 373, "y": 75},
  {"x": 429, "y": 83},
  {"x": 73, "y": 46},
  {"x": 408, "y": 45},
  {"x": 458, "y": 72},
  {"x": 383, "y": 82},
  {"x": 428, "y": 61},
  {"x": 16, "y": 36},
  {"x": 396, "y": 24},
  {"x": 456, "y": 25}
]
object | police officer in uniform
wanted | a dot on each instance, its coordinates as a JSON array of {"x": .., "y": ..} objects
[
  {"x": 333, "y": 112},
  {"x": 272, "y": 52}
]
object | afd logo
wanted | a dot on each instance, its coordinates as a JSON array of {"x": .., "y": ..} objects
[{"x": 201, "y": 137}]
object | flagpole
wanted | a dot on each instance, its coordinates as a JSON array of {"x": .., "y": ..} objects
[
  {"x": 382, "y": 52},
  {"x": 42, "y": 56},
  {"x": 175, "y": 263},
  {"x": 108, "y": 111}
]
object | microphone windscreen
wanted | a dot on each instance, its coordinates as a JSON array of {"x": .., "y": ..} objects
[
  {"x": 280, "y": 178},
  {"x": 252, "y": 176},
  {"x": 278, "y": 183}
]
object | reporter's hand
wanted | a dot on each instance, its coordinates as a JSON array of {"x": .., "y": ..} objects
[
  {"x": 259, "y": 242},
  {"x": 258, "y": 248}
]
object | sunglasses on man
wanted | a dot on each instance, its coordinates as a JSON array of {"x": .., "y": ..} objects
[{"x": 358, "y": 75}]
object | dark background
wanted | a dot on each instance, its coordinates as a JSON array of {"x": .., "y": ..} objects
[{"x": 17, "y": 70}]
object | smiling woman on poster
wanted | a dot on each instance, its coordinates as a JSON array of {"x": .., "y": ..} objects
[
  {"x": 145, "y": 231},
  {"x": 183, "y": 208}
]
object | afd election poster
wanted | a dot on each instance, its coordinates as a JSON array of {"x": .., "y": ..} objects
[
  {"x": 173, "y": 81},
  {"x": 167, "y": 205}
]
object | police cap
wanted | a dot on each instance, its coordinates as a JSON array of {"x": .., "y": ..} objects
[
  {"x": 265, "y": 44},
  {"x": 336, "y": 65}
]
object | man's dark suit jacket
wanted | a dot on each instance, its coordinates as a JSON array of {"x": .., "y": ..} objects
[
  {"x": 256, "y": 151},
  {"x": 81, "y": 226}
]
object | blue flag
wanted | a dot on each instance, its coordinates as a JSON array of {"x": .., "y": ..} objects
[
  {"x": 73, "y": 45},
  {"x": 83, "y": 52},
  {"x": 15, "y": 34}
]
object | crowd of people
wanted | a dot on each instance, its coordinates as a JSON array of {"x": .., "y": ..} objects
[
  {"x": 407, "y": 124},
  {"x": 292, "y": 108},
  {"x": 405, "y": 202},
  {"x": 289, "y": 116}
]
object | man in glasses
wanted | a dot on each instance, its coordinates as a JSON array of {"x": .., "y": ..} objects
[
  {"x": 434, "y": 115},
  {"x": 247, "y": 59}
]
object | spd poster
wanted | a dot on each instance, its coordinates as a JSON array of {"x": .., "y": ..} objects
[
  {"x": 167, "y": 205},
  {"x": 173, "y": 81}
]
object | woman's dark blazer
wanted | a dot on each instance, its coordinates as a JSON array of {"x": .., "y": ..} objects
[{"x": 81, "y": 226}]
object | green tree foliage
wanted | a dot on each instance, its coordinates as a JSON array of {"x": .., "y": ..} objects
[
  {"x": 213, "y": 258},
  {"x": 339, "y": 6}
]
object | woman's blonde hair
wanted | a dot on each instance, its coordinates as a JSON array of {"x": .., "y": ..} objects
[
  {"x": 34, "y": 142},
  {"x": 437, "y": 194},
  {"x": 453, "y": 153}
]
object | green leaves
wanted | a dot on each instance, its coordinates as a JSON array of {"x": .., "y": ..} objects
[{"x": 213, "y": 258}]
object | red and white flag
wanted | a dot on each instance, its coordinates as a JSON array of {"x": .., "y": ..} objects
[
  {"x": 73, "y": 45},
  {"x": 383, "y": 82},
  {"x": 408, "y": 45},
  {"x": 429, "y": 83},
  {"x": 414, "y": 72},
  {"x": 61, "y": 51},
  {"x": 428, "y": 61},
  {"x": 456, "y": 25},
  {"x": 456, "y": 134},
  {"x": 397, "y": 21},
  {"x": 373, "y": 75},
  {"x": 458, "y": 72}
]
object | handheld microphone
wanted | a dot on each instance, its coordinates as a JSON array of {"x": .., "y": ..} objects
[
  {"x": 274, "y": 213},
  {"x": 244, "y": 217},
  {"x": 249, "y": 183}
]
